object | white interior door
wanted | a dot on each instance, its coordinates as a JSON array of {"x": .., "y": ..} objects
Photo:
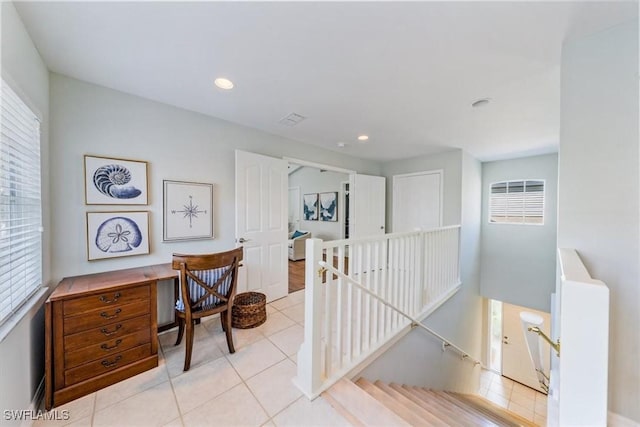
[
  {"x": 261, "y": 223},
  {"x": 516, "y": 363},
  {"x": 417, "y": 201},
  {"x": 367, "y": 205}
]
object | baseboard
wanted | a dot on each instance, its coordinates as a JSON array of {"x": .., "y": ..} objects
[{"x": 617, "y": 420}]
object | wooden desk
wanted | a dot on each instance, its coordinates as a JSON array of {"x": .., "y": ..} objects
[{"x": 100, "y": 329}]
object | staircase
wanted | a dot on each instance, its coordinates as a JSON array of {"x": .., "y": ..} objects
[{"x": 369, "y": 404}]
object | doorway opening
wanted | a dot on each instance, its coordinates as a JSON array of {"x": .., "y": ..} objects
[
  {"x": 508, "y": 352},
  {"x": 495, "y": 336},
  {"x": 317, "y": 209}
]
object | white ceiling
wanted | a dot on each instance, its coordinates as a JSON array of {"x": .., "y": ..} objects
[{"x": 404, "y": 73}]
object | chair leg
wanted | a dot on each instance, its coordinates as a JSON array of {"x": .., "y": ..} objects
[
  {"x": 223, "y": 321},
  {"x": 188, "y": 344},
  {"x": 180, "y": 330},
  {"x": 227, "y": 316}
]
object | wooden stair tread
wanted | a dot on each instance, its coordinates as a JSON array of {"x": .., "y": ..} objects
[
  {"x": 441, "y": 418},
  {"x": 489, "y": 418},
  {"x": 461, "y": 418},
  {"x": 460, "y": 406},
  {"x": 391, "y": 403},
  {"x": 359, "y": 407},
  {"x": 485, "y": 406},
  {"x": 364, "y": 403},
  {"x": 427, "y": 416}
]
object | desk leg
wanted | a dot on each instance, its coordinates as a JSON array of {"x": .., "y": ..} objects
[{"x": 167, "y": 326}]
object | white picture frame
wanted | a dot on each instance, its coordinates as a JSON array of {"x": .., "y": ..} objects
[
  {"x": 117, "y": 234},
  {"x": 187, "y": 211},
  {"x": 113, "y": 181}
]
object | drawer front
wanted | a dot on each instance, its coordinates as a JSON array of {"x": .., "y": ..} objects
[
  {"x": 106, "y": 300},
  {"x": 106, "y": 364},
  {"x": 106, "y": 348},
  {"x": 107, "y": 332},
  {"x": 105, "y": 316}
]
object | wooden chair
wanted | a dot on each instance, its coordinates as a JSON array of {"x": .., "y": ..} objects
[{"x": 207, "y": 286}]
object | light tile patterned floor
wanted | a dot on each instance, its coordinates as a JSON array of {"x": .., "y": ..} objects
[
  {"x": 514, "y": 396},
  {"x": 251, "y": 387}
]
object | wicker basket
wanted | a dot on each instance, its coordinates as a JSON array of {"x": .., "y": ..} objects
[{"x": 249, "y": 310}]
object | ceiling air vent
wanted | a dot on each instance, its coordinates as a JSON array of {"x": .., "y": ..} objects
[{"x": 291, "y": 120}]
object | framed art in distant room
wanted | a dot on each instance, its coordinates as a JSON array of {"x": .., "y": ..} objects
[
  {"x": 188, "y": 211},
  {"x": 117, "y": 234},
  {"x": 329, "y": 206},
  {"x": 111, "y": 181},
  {"x": 310, "y": 207}
]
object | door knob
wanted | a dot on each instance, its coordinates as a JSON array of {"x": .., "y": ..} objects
[{"x": 243, "y": 240}]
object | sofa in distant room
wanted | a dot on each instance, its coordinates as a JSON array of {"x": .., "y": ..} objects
[{"x": 297, "y": 240}]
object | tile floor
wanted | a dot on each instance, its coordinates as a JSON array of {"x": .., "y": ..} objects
[
  {"x": 251, "y": 387},
  {"x": 522, "y": 400}
]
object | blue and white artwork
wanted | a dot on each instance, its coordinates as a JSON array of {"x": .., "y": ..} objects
[
  {"x": 329, "y": 206},
  {"x": 110, "y": 181},
  {"x": 310, "y": 207},
  {"x": 117, "y": 234}
]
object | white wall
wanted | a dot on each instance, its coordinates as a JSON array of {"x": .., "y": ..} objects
[
  {"x": 451, "y": 164},
  {"x": 312, "y": 180},
  {"x": 178, "y": 144},
  {"x": 417, "y": 358},
  {"x": 598, "y": 192},
  {"x": 519, "y": 261},
  {"x": 22, "y": 344}
]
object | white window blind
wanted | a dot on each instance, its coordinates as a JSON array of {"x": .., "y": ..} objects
[
  {"x": 20, "y": 205},
  {"x": 517, "y": 202}
]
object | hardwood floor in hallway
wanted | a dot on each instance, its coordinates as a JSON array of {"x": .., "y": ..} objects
[{"x": 296, "y": 275}]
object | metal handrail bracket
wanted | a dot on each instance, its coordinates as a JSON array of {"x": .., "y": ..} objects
[{"x": 554, "y": 345}]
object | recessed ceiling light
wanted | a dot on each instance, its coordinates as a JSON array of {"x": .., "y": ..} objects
[
  {"x": 363, "y": 138},
  {"x": 341, "y": 144},
  {"x": 223, "y": 83},
  {"x": 481, "y": 102}
]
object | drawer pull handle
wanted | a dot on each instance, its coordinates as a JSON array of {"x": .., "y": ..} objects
[
  {"x": 108, "y": 333},
  {"x": 110, "y": 316},
  {"x": 109, "y": 301},
  {"x": 107, "y": 348},
  {"x": 108, "y": 364}
]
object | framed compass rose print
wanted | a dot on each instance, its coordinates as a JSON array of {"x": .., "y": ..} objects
[{"x": 188, "y": 211}]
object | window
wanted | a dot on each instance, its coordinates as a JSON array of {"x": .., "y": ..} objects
[
  {"x": 517, "y": 202},
  {"x": 20, "y": 206}
]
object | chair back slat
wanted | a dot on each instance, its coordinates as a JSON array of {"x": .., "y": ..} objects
[{"x": 207, "y": 281}]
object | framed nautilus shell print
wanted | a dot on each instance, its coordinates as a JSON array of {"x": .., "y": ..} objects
[
  {"x": 111, "y": 181},
  {"x": 117, "y": 234}
]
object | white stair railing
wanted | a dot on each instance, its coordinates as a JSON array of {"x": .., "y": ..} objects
[
  {"x": 346, "y": 324},
  {"x": 579, "y": 370}
]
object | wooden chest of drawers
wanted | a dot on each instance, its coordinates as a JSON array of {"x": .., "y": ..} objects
[{"x": 99, "y": 329}]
